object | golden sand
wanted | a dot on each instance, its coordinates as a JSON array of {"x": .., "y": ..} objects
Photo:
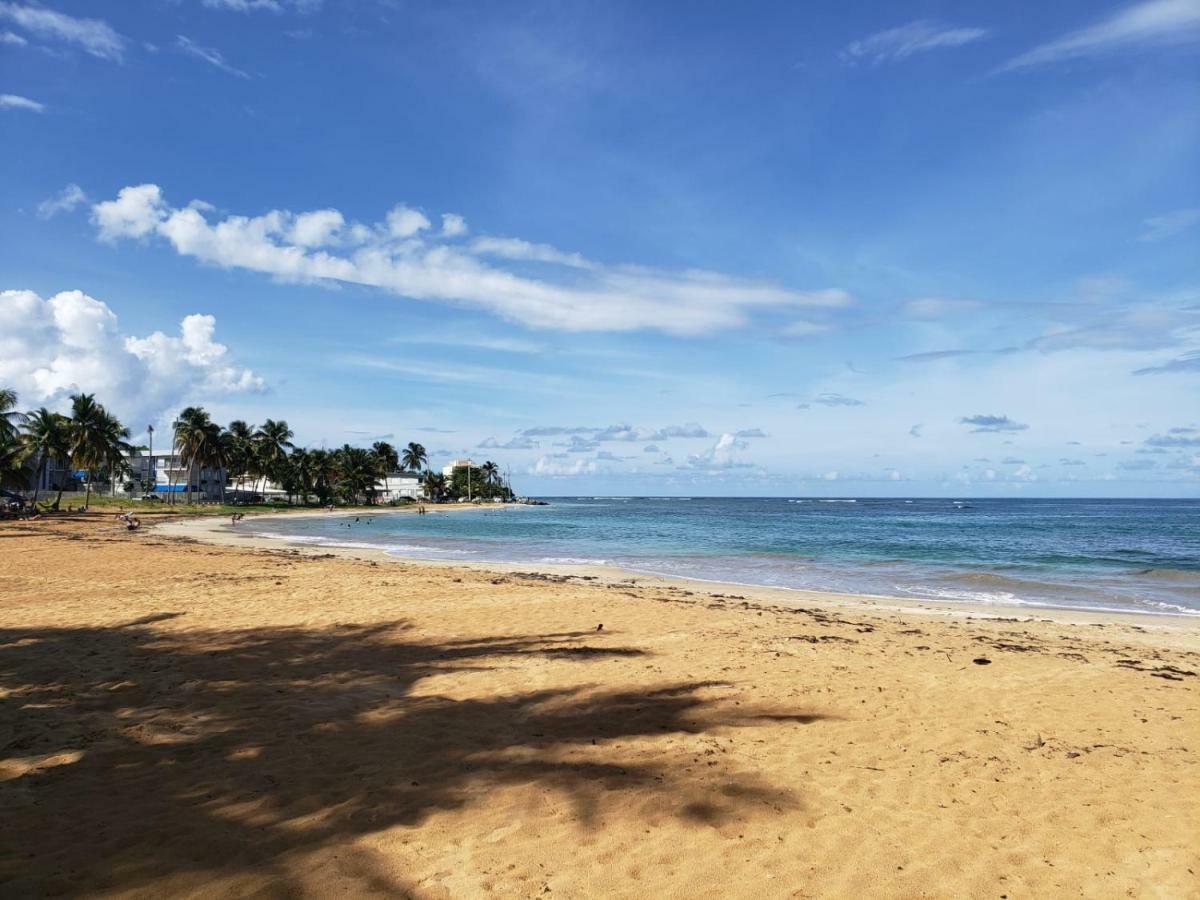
[{"x": 179, "y": 719}]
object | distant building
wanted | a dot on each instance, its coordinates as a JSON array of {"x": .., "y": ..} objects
[
  {"x": 165, "y": 473},
  {"x": 448, "y": 470},
  {"x": 399, "y": 486}
]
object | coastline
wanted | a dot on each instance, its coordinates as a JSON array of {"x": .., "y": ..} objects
[
  {"x": 193, "y": 719},
  {"x": 221, "y": 533}
]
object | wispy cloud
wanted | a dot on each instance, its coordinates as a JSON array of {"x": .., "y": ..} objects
[
  {"x": 1189, "y": 362},
  {"x": 831, "y": 400},
  {"x": 421, "y": 264},
  {"x": 210, "y": 55},
  {"x": 937, "y": 307},
  {"x": 64, "y": 201},
  {"x": 992, "y": 424},
  {"x": 916, "y": 37},
  {"x": 14, "y": 40},
  {"x": 1151, "y": 23},
  {"x": 94, "y": 36},
  {"x": 16, "y": 101},
  {"x": 1168, "y": 225},
  {"x": 275, "y": 6}
]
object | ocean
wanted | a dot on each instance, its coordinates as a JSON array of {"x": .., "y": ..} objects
[{"x": 1140, "y": 556}]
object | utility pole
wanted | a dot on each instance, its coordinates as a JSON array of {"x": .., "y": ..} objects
[{"x": 152, "y": 470}]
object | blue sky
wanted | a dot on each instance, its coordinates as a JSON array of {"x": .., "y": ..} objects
[{"x": 822, "y": 248}]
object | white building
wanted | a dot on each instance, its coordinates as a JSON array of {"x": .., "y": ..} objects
[
  {"x": 399, "y": 486},
  {"x": 165, "y": 474},
  {"x": 448, "y": 470}
]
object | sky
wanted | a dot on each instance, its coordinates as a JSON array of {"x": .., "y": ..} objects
[{"x": 819, "y": 249}]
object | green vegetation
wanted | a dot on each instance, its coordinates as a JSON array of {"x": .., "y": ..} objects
[{"x": 91, "y": 440}]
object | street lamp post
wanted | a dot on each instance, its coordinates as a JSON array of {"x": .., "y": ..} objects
[{"x": 152, "y": 472}]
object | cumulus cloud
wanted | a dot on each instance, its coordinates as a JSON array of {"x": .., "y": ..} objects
[
  {"x": 900, "y": 43},
  {"x": 555, "y": 467},
  {"x": 71, "y": 342},
  {"x": 1147, "y": 24},
  {"x": 404, "y": 256},
  {"x": 93, "y": 36},
  {"x": 64, "y": 201},
  {"x": 453, "y": 225},
  {"x": 722, "y": 455},
  {"x": 16, "y": 101},
  {"x": 988, "y": 423}
]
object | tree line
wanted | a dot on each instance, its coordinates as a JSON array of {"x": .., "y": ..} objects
[{"x": 92, "y": 440}]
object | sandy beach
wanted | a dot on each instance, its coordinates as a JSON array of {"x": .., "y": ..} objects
[{"x": 188, "y": 718}]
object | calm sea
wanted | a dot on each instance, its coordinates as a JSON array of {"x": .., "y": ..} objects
[{"x": 1127, "y": 555}]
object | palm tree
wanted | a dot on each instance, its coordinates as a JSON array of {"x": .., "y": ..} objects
[
  {"x": 300, "y": 473},
  {"x": 387, "y": 460},
  {"x": 272, "y": 443},
  {"x": 435, "y": 485},
  {"x": 46, "y": 438},
  {"x": 96, "y": 440},
  {"x": 324, "y": 473},
  {"x": 14, "y": 453},
  {"x": 414, "y": 458},
  {"x": 240, "y": 438},
  {"x": 491, "y": 472},
  {"x": 9, "y": 417},
  {"x": 355, "y": 469},
  {"x": 194, "y": 434}
]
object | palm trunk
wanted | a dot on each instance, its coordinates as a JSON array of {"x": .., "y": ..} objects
[
  {"x": 87, "y": 498},
  {"x": 41, "y": 473}
]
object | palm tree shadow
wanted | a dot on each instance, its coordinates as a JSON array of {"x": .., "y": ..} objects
[{"x": 132, "y": 754}]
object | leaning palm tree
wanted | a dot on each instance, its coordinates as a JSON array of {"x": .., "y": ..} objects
[
  {"x": 46, "y": 438},
  {"x": 10, "y": 418},
  {"x": 414, "y": 458},
  {"x": 386, "y": 460}
]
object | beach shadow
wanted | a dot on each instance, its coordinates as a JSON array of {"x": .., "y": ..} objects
[{"x": 132, "y": 754}]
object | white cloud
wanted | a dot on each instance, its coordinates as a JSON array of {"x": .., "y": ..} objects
[
  {"x": 210, "y": 55},
  {"x": 316, "y": 229},
  {"x": 404, "y": 222},
  {"x": 1151, "y": 23},
  {"x": 722, "y": 455},
  {"x": 135, "y": 213},
  {"x": 404, "y": 257},
  {"x": 94, "y": 35},
  {"x": 7, "y": 37},
  {"x": 1168, "y": 225},
  {"x": 453, "y": 225},
  {"x": 275, "y": 6},
  {"x": 16, "y": 101},
  {"x": 71, "y": 342},
  {"x": 916, "y": 37},
  {"x": 64, "y": 201},
  {"x": 556, "y": 467}
]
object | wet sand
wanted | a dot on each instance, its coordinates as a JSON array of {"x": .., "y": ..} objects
[{"x": 181, "y": 718}]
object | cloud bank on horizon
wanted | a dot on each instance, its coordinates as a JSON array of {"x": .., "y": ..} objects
[{"x": 892, "y": 255}]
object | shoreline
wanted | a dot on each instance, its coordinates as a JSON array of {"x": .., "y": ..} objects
[
  {"x": 192, "y": 719},
  {"x": 221, "y": 533}
]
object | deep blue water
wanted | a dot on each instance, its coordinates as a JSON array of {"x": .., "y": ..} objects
[{"x": 1129, "y": 555}]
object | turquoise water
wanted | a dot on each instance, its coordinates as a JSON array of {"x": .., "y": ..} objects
[{"x": 1127, "y": 555}]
